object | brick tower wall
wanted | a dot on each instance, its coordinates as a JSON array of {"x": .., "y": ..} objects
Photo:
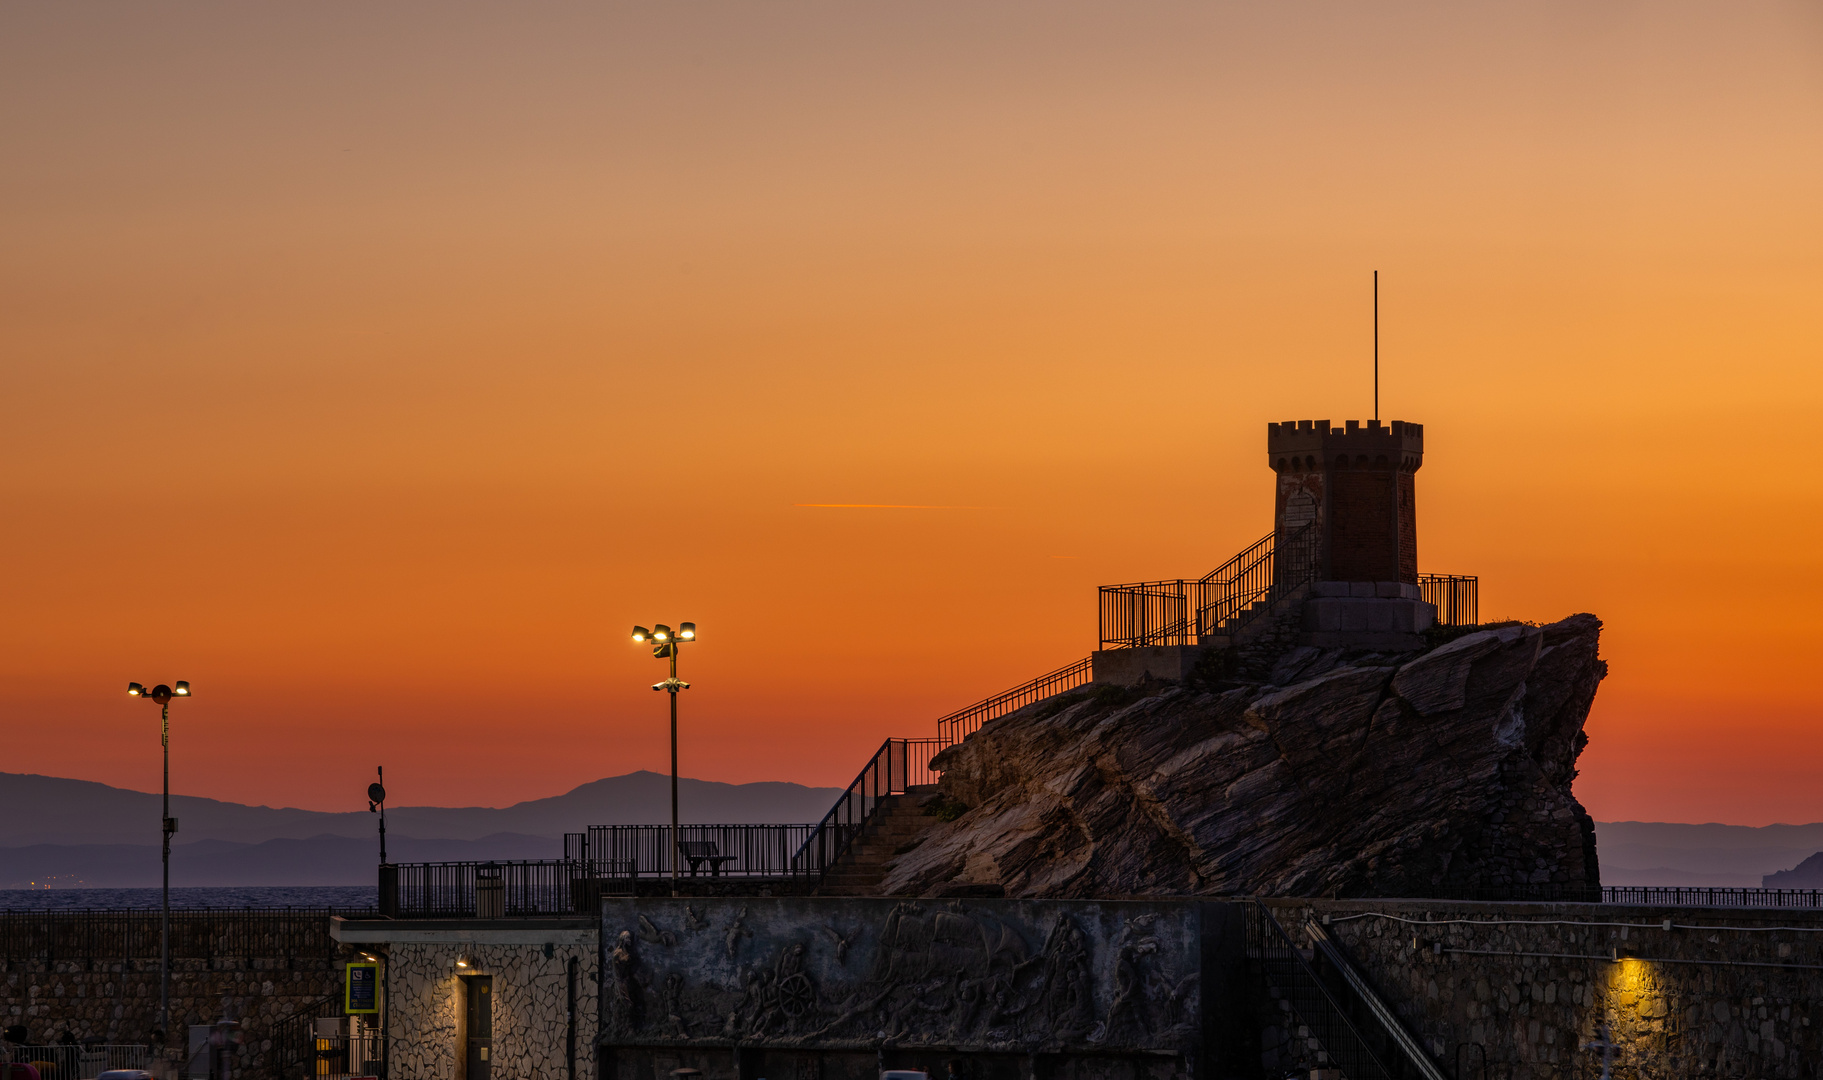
[{"x": 1357, "y": 482}]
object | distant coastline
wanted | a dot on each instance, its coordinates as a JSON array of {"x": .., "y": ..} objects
[{"x": 255, "y": 896}]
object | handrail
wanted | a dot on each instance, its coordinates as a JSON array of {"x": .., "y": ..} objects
[
  {"x": 1312, "y": 998},
  {"x": 1332, "y": 951},
  {"x": 962, "y": 723}
]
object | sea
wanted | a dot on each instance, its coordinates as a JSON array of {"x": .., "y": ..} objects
[{"x": 252, "y": 896}]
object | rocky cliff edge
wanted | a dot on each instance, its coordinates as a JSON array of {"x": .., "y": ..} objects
[{"x": 1445, "y": 772}]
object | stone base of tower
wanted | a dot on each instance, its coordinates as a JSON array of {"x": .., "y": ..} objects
[
  {"x": 1130, "y": 667},
  {"x": 1366, "y": 615}
]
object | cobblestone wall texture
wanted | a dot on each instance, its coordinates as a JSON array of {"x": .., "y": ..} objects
[
  {"x": 531, "y": 1014},
  {"x": 1724, "y": 993},
  {"x": 117, "y": 1001}
]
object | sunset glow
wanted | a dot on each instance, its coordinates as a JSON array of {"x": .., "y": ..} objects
[{"x": 376, "y": 367}]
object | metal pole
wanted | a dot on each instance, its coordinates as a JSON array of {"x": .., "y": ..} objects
[
  {"x": 382, "y": 771},
  {"x": 164, "y": 934},
  {"x": 1376, "y": 344},
  {"x": 675, "y": 850}
]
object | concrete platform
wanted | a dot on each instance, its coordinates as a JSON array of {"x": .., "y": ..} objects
[{"x": 1126, "y": 667}]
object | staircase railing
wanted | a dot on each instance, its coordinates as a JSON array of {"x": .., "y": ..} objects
[
  {"x": 1248, "y": 585},
  {"x": 898, "y": 765},
  {"x": 962, "y": 723},
  {"x": 1354, "y": 1026}
]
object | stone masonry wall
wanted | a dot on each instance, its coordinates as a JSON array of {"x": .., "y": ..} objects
[
  {"x": 1520, "y": 991},
  {"x": 117, "y": 1001},
  {"x": 530, "y": 1010}
]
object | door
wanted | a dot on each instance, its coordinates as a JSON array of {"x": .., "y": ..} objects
[{"x": 480, "y": 1026}]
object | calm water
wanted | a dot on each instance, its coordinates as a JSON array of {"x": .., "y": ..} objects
[{"x": 260, "y": 896}]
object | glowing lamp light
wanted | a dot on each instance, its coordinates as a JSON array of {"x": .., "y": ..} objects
[
  {"x": 135, "y": 690},
  {"x": 464, "y": 962},
  {"x": 687, "y": 631},
  {"x": 640, "y": 633},
  {"x": 183, "y": 689}
]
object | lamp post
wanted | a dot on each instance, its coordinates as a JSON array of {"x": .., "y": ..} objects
[
  {"x": 163, "y": 694},
  {"x": 376, "y": 800},
  {"x": 665, "y": 646}
]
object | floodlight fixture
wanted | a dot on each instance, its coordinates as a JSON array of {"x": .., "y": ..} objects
[
  {"x": 665, "y": 647},
  {"x": 162, "y": 695}
]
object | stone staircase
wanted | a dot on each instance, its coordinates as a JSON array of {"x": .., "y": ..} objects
[{"x": 897, "y": 821}]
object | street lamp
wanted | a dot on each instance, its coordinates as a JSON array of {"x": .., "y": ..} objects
[
  {"x": 664, "y": 646},
  {"x": 163, "y": 694}
]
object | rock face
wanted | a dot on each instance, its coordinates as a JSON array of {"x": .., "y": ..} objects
[
  {"x": 1444, "y": 772},
  {"x": 1806, "y": 875}
]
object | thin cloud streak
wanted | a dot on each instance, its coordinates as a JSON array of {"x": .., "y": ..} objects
[{"x": 888, "y": 506}]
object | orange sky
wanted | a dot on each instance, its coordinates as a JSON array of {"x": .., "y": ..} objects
[{"x": 375, "y": 367}]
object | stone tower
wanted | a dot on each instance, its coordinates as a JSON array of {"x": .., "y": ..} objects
[
  {"x": 1356, "y": 485},
  {"x": 1345, "y": 519}
]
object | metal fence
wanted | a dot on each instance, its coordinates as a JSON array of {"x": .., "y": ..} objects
[
  {"x": 1677, "y": 896},
  {"x": 72, "y": 1062},
  {"x": 481, "y": 890},
  {"x": 962, "y": 723},
  {"x": 899, "y": 764},
  {"x": 1456, "y": 597},
  {"x": 196, "y": 933},
  {"x": 1221, "y": 602},
  {"x": 1145, "y": 613},
  {"x": 616, "y": 851}
]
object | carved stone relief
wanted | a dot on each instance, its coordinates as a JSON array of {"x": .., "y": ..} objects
[{"x": 971, "y": 975}]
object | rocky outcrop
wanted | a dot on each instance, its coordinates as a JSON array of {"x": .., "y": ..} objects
[
  {"x": 1806, "y": 875},
  {"x": 1446, "y": 772}
]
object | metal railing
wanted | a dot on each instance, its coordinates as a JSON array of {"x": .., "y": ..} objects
[
  {"x": 898, "y": 765},
  {"x": 619, "y": 851},
  {"x": 1455, "y": 596},
  {"x": 1145, "y": 613},
  {"x": 446, "y": 890},
  {"x": 196, "y": 933},
  {"x": 962, "y": 723},
  {"x": 337, "y": 1057},
  {"x": 76, "y": 1062},
  {"x": 292, "y": 1050},
  {"x": 1354, "y": 1027},
  {"x": 1221, "y": 602},
  {"x": 1290, "y": 974},
  {"x": 1246, "y": 586},
  {"x": 1678, "y": 896}
]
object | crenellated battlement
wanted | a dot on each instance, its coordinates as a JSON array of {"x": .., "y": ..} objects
[{"x": 1310, "y": 445}]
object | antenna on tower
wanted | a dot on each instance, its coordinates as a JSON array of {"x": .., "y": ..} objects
[{"x": 1376, "y": 344}]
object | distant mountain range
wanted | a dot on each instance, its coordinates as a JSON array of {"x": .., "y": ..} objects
[
  {"x": 62, "y": 833},
  {"x": 1663, "y": 853},
  {"x": 71, "y": 833}
]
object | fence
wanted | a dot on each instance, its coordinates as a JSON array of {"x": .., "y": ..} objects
[
  {"x": 1184, "y": 612},
  {"x": 898, "y": 765},
  {"x": 481, "y": 890},
  {"x": 1675, "y": 896},
  {"x": 1456, "y": 597},
  {"x": 617, "y": 851},
  {"x": 196, "y": 933},
  {"x": 962, "y": 723},
  {"x": 70, "y": 1062}
]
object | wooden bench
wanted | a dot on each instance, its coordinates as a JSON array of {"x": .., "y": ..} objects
[{"x": 698, "y": 852}]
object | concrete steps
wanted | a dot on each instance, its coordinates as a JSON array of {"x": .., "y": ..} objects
[{"x": 897, "y": 821}]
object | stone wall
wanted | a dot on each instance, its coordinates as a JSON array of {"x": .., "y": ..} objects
[
  {"x": 1521, "y": 991},
  {"x": 1100, "y": 988},
  {"x": 530, "y": 967},
  {"x": 117, "y": 1001}
]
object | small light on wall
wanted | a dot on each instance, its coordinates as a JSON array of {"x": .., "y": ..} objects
[{"x": 464, "y": 962}]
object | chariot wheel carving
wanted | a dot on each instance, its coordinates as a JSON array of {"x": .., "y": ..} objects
[{"x": 796, "y": 995}]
